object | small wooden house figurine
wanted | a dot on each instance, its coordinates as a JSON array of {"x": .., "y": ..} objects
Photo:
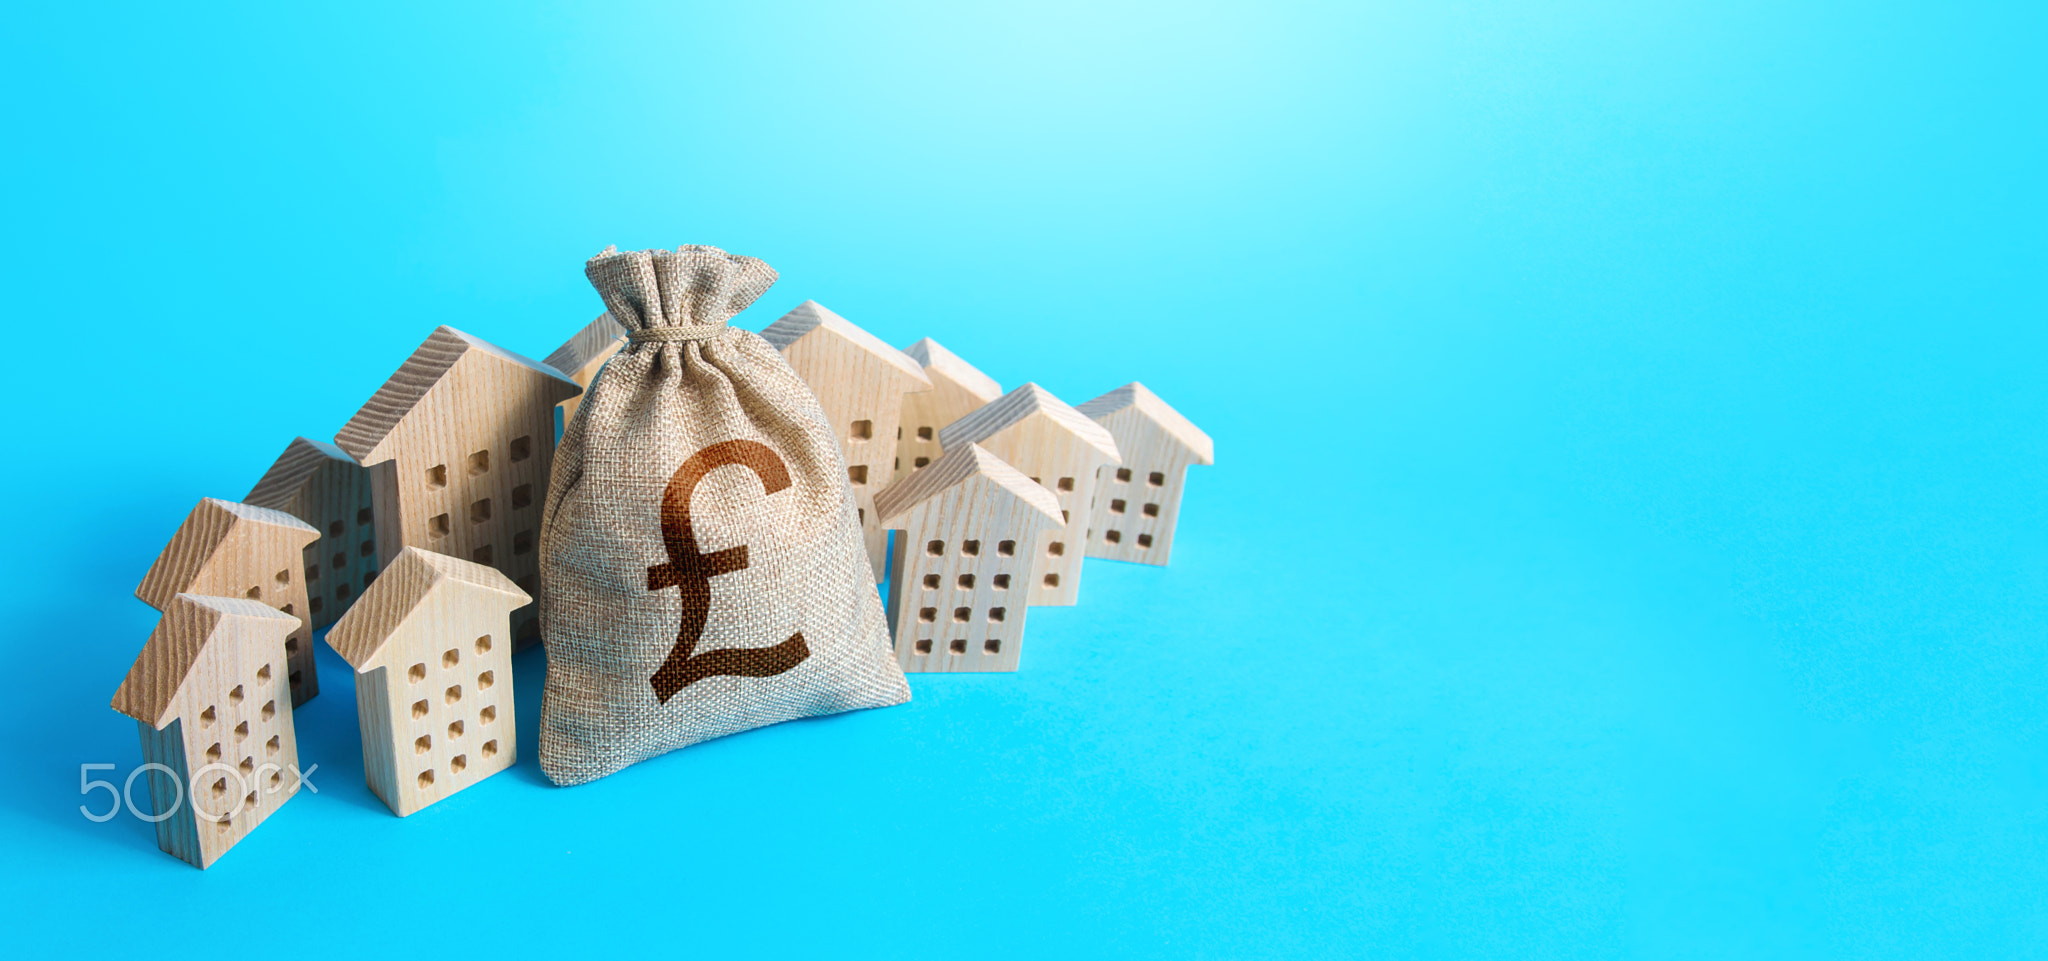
[
  {"x": 225, "y": 549},
  {"x": 958, "y": 389},
  {"x": 318, "y": 484},
  {"x": 968, "y": 524},
  {"x": 1058, "y": 447},
  {"x": 429, "y": 642},
  {"x": 1138, "y": 504},
  {"x": 208, "y": 694},
  {"x": 583, "y": 354},
  {"x": 860, "y": 382},
  {"x": 459, "y": 443}
]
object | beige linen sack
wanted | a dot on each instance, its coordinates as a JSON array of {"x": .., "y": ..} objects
[{"x": 702, "y": 567}]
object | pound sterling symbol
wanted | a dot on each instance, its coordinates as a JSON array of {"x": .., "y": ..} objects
[{"x": 691, "y": 572}]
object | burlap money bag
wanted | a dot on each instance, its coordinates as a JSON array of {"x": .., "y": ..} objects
[{"x": 702, "y": 568}]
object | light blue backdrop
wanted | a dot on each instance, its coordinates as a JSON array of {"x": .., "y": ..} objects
[{"x": 1627, "y": 538}]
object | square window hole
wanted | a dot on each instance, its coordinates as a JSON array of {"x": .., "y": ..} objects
[
  {"x": 283, "y": 576},
  {"x": 1113, "y": 536},
  {"x": 996, "y": 614},
  {"x": 367, "y": 549},
  {"x": 1056, "y": 549},
  {"x": 966, "y": 582},
  {"x": 858, "y": 474},
  {"x": 1144, "y": 540},
  {"x": 1116, "y": 505},
  {"x": 958, "y": 645},
  {"x": 1123, "y": 475},
  {"x": 334, "y": 529},
  {"x": 423, "y": 744},
  {"x": 1156, "y": 478},
  {"x": 481, "y": 555},
  {"x": 923, "y": 645},
  {"x": 254, "y": 593},
  {"x": 241, "y": 731},
  {"x": 920, "y": 461},
  {"x": 437, "y": 477},
  {"x": 927, "y": 614},
  {"x": 487, "y": 715},
  {"x": 991, "y": 646},
  {"x": 1006, "y": 548},
  {"x": 312, "y": 572},
  {"x": 340, "y": 593},
  {"x": 263, "y": 673},
  {"x": 522, "y": 448},
  {"x": 483, "y": 644},
  {"x": 962, "y": 615},
  {"x": 418, "y": 673},
  {"x": 1151, "y": 510},
  {"x": 451, "y": 657},
  {"x": 288, "y": 610},
  {"x": 970, "y": 548},
  {"x": 270, "y": 747},
  {"x": 924, "y": 433},
  {"x": 455, "y": 729},
  {"x": 522, "y": 542},
  {"x": 291, "y": 644},
  {"x": 1066, "y": 517},
  {"x": 340, "y": 560},
  {"x": 522, "y": 496},
  {"x": 426, "y": 780},
  {"x": 479, "y": 462},
  {"x": 1000, "y": 582},
  {"x": 213, "y": 753},
  {"x": 1052, "y": 580},
  {"x": 935, "y": 548},
  {"x": 485, "y": 680},
  {"x": 439, "y": 526},
  {"x": 863, "y": 430},
  {"x": 364, "y": 517},
  {"x": 489, "y": 750},
  {"x": 368, "y": 576},
  {"x": 452, "y": 695},
  {"x": 206, "y": 717},
  {"x": 931, "y": 582},
  {"x": 293, "y": 678},
  {"x": 419, "y": 709},
  {"x": 235, "y": 696},
  {"x": 480, "y": 511},
  {"x": 1066, "y": 483},
  {"x": 312, "y": 604},
  {"x": 269, "y": 711}
]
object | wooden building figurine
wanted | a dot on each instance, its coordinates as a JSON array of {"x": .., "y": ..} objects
[
  {"x": 860, "y": 382},
  {"x": 1138, "y": 503},
  {"x": 1058, "y": 447},
  {"x": 318, "y": 484},
  {"x": 225, "y": 549},
  {"x": 208, "y": 693},
  {"x": 429, "y": 642},
  {"x": 584, "y": 353},
  {"x": 968, "y": 525},
  {"x": 958, "y": 389},
  {"x": 459, "y": 443}
]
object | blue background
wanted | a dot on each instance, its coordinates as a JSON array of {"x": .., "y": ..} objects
[{"x": 1626, "y": 539}]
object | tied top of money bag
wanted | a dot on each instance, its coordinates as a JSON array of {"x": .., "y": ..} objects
[{"x": 685, "y": 294}]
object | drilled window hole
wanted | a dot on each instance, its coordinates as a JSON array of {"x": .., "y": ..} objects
[
  {"x": 479, "y": 462},
  {"x": 437, "y": 477},
  {"x": 522, "y": 448},
  {"x": 958, "y": 645},
  {"x": 923, "y": 645},
  {"x": 418, "y": 673}
]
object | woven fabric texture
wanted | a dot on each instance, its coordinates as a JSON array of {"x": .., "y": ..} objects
[{"x": 702, "y": 567}]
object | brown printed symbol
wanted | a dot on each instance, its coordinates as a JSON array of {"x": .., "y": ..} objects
[{"x": 691, "y": 571}]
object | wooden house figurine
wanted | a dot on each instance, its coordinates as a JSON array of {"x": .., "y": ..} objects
[
  {"x": 584, "y": 353},
  {"x": 319, "y": 484},
  {"x": 225, "y": 549},
  {"x": 1058, "y": 447},
  {"x": 459, "y": 443},
  {"x": 429, "y": 642},
  {"x": 968, "y": 524},
  {"x": 958, "y": 389},
  {"x": 860, "y": 382},
  {"x": 1138, "y": 503},
  {"x": 209, "y": 696}
]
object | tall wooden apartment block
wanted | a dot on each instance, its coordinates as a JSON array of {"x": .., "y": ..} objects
[
  {"x": 1138, "y": 505},
  {"x": 209, "y": 696},
  {"x": 583, "y": 354},
  {"x": 1058, "y": 447},
  {"x": 458, "y": 444},
  {"x": 430, "y": 645},
  {"x": 958, "y": 389},
  {"x": 225, "y": 549},
  {"x": 860, "y": 382},
  {"x": 319, "y": 484},
  {"x": 969, "y": 524}
]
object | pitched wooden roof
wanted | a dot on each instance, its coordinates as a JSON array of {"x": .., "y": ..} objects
[
  {"x": 1017, "y": 405},
  {"x": 811, "y": 315},
  {"x": 1159, "y": 412},
  {"x": 956, "y": 466},
  {"x": 204, "y": 530},
  {"x": 301, "y": 458},
  {"x": 189, "y": 623},
  {"x": 418, "y": 375},
  {"x": 586, "y": 344},
  {"x": 407, "y": 581},
  {"x": 936, "y": 358}
]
